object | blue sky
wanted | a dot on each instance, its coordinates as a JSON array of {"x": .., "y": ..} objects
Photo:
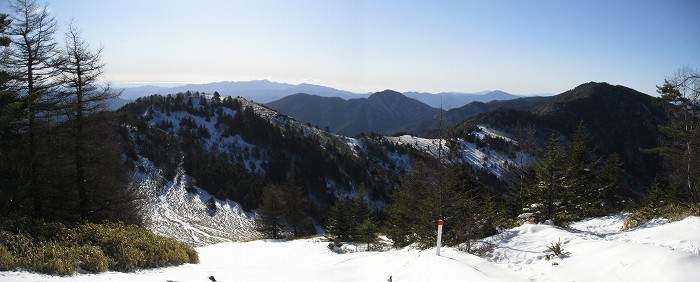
[{"x": 520, "y": 47}]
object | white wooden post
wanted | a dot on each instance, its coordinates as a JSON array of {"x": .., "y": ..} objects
[{"x": 439, "y": 237}]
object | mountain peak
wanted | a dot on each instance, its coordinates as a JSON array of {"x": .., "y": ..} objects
[
  {"x": 604, "y": 96},
  {"x": 387, "y": 95},
  {"x": 383, "y": 112},
  {"x": 388, "y": 92},
  {"x": 596, "y": 89}
]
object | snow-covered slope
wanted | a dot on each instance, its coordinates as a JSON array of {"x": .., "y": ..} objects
[
  {"x": 483, "y": 158},
  {"x": 172, "y": 211},
  {"x": 599, "y": 252}
]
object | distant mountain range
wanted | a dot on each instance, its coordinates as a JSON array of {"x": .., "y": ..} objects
[
  {"x": 449, "y": 100},
  {"x": 469, "y": 110},
  {"x": 261, "y": 91},
  {"x": 620, "y": 120},
  {"x": 389, "y": 112},
  {"x": 264, "y": 91},
  {"x": 382, "y": 112}
]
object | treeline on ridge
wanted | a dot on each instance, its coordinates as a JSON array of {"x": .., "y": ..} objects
[{"x": 167, "y": 134}]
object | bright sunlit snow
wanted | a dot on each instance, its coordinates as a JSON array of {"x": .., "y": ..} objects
[
  {"x": 599, "y": 252},
  {"x": 479, "y": 158},
  {"x": 174, "y": 212}
]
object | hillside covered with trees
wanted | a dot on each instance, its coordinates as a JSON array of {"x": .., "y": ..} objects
[{"x": 78, "y": 181}]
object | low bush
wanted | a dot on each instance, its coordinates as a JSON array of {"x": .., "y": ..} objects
[
  {"x": 92, "y": 259},
  {"x": 7, "y": 260},
  {"x": 54, "y": 248},
  {"x": 51, "y": 258},
  {"x": 557, "y": 251},
  {"x": 477, "y": 248},
  {"x": 132, "y": 247},
  {"x": 672, "y": 212}
]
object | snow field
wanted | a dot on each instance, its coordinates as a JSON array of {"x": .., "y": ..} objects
[
  {"x": 599, "y": 252},
  {"x": 305, "y": 260}
]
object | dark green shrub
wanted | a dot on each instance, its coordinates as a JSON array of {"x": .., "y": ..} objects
[
  {"x": 116, "y": 242},
  {"x": 54, "y": 248},
  {"x": 192, "y": 254},
  {"x": 7, "y": 260},
  {"x": 16, "y": 244},
  {"x": 92, "y": 259},
  {"x": 558, "y": 250},
  {"x": 51, "y": 258},
  {"x": 132, "y": 247}
]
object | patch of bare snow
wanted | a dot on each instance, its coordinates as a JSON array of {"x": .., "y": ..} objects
[
  {"x": 518, "y": 256},
  {"x": 172, "y": 211}
]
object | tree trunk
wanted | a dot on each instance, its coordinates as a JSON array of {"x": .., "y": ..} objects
[
  {"x": 34, "y": 184},
  {"x": 689, "y": 173},
  {"x": 79, "y": 156}
]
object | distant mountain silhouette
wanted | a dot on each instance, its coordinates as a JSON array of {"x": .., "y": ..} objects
[
  {"x": 455, "y": 115},
  {"x": 619, "y": 120},
  {"x": 264, "y": 91},
  {"x": 116, "y": 103},
  {"x": 451, "y": 100},
  {"x": 261, "y": 91},
  {"x": 382, "y": 112}
]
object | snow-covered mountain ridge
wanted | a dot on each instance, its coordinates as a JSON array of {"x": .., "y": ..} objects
[{"x": 188, "y": 148}]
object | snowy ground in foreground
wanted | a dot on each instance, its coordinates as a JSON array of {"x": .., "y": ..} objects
[{"x": 599, "y": 252}]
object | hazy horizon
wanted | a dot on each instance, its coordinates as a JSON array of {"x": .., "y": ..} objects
[
  {"x": 174, "y": 84},
  {"x": 362, "y": 46}
]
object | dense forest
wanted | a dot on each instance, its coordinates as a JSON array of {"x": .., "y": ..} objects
[{"x": 233, "y": 148}]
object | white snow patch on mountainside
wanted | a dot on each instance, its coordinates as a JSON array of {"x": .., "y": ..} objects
[
  {"x": 434, "y": 147},
  {"x": 234, "y": 145},
  {"x": 174, "y": 212},
  {"x": 480, "y": 158},
  {"x": 486, "y": 131},
  {"x": 599, "y": 252}
]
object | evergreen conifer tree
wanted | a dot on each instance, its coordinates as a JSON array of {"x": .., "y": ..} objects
[
  {"x": 13, "y": 165},
  {"x": 607, "y": 185},
  {"x": 547, "y": 193},
  {"x": 341, "y": 220},
  {"x": 271, "y": 212},
  {"x": 365, "y": 228},
  {"x": 296, "y": 208},
  {"x": 426, "y": 195},
  {"x": 581, "y": 166},
  {"x": 680, "y": 148}
]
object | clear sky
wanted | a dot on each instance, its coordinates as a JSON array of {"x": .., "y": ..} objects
[{"x": 538, "y": 46}]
